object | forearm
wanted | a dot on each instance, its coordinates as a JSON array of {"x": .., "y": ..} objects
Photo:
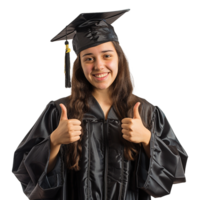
[
  {"x": 146, "y": 143},
  {"x": 53, "y": 153}
]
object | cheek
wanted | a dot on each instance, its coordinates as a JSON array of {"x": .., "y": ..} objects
[
  {"x": 113, "y": 66},
  {"x": 87, "y": 70}
]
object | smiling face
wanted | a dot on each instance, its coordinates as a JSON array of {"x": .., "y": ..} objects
[{"x": 100, "y": 60}]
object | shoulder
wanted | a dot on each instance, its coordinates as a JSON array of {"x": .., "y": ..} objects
[
  {"x": 146, "y": 109},
  {"x": 63, "y": 100},
  {"x": 144, "y": 103}
]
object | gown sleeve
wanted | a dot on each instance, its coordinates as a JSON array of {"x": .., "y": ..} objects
[
  {"x": 167, "y": 163},
  {"x": 32, "y": 155}
]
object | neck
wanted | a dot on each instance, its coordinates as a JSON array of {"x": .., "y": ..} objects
[{"x": 102, "y": 96}]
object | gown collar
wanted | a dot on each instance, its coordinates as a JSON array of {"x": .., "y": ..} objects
[{"x": 95, "y": 111}]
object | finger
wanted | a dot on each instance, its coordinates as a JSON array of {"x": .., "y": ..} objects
[
  {"x": 126, "y": 120},
  {"x": 74, "y": 127},
  {"x": 64, "y": 115},
  {"x": 63, "y": 112},
  {"x": 75, "y": 133},
  {"x": 74, "y": 139},
  {"x": 136, "y": 114}
]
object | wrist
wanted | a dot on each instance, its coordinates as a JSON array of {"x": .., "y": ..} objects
[
  {"x": 53, "y": 138},
  {"x": 147, "y": 138}
]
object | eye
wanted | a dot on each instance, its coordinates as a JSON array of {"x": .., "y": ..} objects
[
  {"x": 88, "y": 59},
  {"x": 107, "y": 56},
  {"x": 91, "y": 59}
]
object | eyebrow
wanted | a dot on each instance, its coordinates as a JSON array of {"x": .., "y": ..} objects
[{"x": 92, "y": 53}]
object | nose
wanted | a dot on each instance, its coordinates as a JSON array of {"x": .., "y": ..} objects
[{"x": 99, "y": 63}]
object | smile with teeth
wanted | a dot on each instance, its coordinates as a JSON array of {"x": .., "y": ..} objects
[{"x": 101, "y": 75}]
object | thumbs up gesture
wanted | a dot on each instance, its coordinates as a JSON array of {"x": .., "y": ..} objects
[
  {"x": 68, "y": 130},
  {"x": 133, "y": 129}
]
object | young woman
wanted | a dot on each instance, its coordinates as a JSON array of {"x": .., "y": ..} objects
[{"x": 101, "y": 142}]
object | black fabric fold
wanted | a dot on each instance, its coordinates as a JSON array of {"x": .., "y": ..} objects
[
  {"x": 32, "y": 156},
  {"x": 166, "y": 166}
]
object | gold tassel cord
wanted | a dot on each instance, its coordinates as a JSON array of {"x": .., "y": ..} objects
[{"x": 67, "y": 48}]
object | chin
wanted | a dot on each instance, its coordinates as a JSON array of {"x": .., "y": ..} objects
[{"x": 101, "y": 87}]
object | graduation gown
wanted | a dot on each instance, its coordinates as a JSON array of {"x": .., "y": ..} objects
[{"x": 105, "y": 174}]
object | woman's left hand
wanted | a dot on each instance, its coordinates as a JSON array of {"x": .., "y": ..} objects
[{"x": 133, "y": 129}]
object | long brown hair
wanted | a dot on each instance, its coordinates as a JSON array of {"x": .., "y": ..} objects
[{"x": 78, "y": 104}]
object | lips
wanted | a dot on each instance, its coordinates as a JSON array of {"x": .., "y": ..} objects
[
  {"x": 104, "y": 74},
  {"x": 100, "y": 73}
]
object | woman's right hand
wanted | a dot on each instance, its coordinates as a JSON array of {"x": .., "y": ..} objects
[{"x": 68, "y": 130}]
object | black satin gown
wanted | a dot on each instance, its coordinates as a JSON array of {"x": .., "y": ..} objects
[{"x": 105, "y": 174}]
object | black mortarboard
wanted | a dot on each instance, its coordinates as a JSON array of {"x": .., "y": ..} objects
[{"x": 88, "y": 30}]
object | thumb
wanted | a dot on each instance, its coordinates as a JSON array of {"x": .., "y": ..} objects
[
  {"x": 136, "y": 113},
  {"x": 63, "y": 112}
]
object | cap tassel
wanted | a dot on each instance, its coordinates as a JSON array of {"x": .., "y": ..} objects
[{"x": 67, "y": 66}]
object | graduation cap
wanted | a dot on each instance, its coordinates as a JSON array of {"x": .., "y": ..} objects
[{"x": 88, "y": 30}]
